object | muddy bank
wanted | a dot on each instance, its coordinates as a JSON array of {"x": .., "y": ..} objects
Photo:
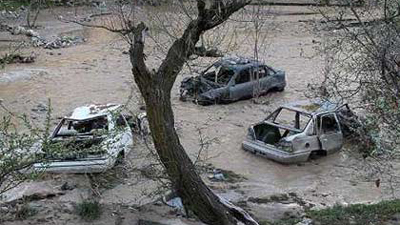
[{"x": 98, "y": 72}]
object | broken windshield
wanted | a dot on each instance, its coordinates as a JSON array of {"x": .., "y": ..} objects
[
  {"x": 290, "y": 118},
  {"x": 219, "y": 74},
  {"x": 98, "y": 125}
]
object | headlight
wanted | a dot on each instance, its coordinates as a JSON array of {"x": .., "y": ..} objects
[{"x": 286, "y": 146}]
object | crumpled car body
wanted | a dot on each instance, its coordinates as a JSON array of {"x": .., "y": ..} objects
[
  {"x": 296, "y": 131},
  {"x": 93, "y": 139},
  {"x": 231, "y": 79}
]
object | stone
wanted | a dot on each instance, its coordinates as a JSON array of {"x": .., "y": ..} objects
[
  {"x": 305, "y": 221},
  {"x": 30, "y": 191}
]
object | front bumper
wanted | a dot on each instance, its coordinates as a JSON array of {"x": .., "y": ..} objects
[
  {"x": 81, "y": 166},
  {"x": 271, "y": 152}
]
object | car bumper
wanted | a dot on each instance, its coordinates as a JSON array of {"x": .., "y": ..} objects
[
  {"x": 82, "y": 166},
  {"x": 274, "y": 153}
]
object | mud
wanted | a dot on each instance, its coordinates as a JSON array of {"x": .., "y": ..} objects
[{"x": 97, "y": 72}]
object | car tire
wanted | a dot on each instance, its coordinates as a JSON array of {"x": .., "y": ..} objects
[{"x": 120, "y": 158}]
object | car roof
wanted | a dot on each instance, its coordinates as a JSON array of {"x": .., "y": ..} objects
[
  {"x": 236, "y": 62},
  {"x": 92, "y": 111},
  {"x": 313, "y": 107}
]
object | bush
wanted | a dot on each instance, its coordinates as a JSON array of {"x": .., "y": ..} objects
[
  {"x": 357, "y": 214},
  {"x": 89, "y": 210}
]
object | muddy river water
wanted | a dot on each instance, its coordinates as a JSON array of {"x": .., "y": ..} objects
[{"x": 98, "y": 72}]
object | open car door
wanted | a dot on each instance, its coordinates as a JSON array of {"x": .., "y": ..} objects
[{"x": 329, "y": 132}]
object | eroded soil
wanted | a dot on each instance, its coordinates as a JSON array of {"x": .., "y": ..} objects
[{"x": 98, "y": 72}]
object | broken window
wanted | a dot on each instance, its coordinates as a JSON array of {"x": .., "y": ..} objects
[
  {"x": 243, "y": 77},
  {"x": 328, "y": 124},
  {"x": 291, "y": 119},
  {"x": 259, "y": 73},
  {"x": 219, "y": 75},
  {"x": 83, "y": 127}
]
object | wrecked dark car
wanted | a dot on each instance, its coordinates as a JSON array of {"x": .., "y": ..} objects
[
  {"x": 93, "y": 139},
  {"x": 231, "y": 79},
  {"x": 296, "y": 131}
]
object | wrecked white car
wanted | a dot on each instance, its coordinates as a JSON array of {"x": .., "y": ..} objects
[
  {"x": 93, "y": 139},
  {"x": 295, "y": 131}
]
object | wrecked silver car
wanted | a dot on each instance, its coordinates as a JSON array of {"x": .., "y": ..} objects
[
  {"x": 295, "y": 131},
  {"x": 231, "y": 79},
  {"x": 93, "y": 139}
]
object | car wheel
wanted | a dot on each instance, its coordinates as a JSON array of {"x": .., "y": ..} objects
[
  {"x": 120, "y": 158},
  {"x": 279, "y": 89}
]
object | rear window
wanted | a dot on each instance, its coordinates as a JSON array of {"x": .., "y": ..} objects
[{"x": 291, "y": 119}]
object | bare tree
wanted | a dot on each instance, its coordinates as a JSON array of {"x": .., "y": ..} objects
[
  {"x": 361, "y": 49},
  {"x": 155, "y": 86}
]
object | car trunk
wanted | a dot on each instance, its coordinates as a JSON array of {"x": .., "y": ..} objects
[
  {"x": 267, "y": 133},
  {"x": 74, "y": 148}
]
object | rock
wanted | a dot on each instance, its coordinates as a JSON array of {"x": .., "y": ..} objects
[
  {"x": 305, "y": 221},
  {"x": 18, "y": 75},
  {"x": 67, "y": 186},
  {"x": 30, "y": 191},
  {"x": 75, "y": 195}
]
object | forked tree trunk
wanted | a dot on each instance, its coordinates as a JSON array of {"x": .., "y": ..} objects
[{"x": 155, "y": 88}]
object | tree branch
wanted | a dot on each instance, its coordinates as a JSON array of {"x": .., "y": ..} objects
[{"x": 184, "y": 47}]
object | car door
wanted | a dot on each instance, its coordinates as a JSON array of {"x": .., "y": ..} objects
[
  {"x": 329, "y": 132},
  {"x": 126, "y": 141},
  {"x": 242, "y": 86},
  {"x": 264, "y": 80}
]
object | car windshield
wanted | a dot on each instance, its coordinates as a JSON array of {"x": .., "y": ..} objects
[
  {"x": 219, "y": 74},
  {"x": 98, "y": 125},
  {"x": 290, "y": 118}
]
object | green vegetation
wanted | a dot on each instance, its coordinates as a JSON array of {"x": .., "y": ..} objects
[
  {"x": 12, "y": 4},
  {"x": 24, "y": 211},
  {"x": 357, "y": 214},
  {"x": 89, "y": 210},
  {"x": 286, "y": 221}
]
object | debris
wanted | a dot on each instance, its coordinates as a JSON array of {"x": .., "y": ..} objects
[
  {"x": 174, "y": 201},
  {"x": 17, "y": 58},
  {"x": 59, "y": 42},
  {"x": 67, "y": 187},
  {"x": 305, "y": 221},
  {"x": 217, "y": 175},
  {"x": 40, "y": 108},
  {"x": 38, "y": 41}
]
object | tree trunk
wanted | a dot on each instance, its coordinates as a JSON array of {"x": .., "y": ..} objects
[{"x": 195, "y": 195}]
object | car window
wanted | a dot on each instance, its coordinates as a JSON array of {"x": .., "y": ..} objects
[
  {"x": 220, "y": 75},
  {"x": 328, "y": 124},
  {"x": 259, "y": 73},
  {"x": 291, "y": 118},
  {"x": 243, "y": 77},
  {"x": 85, "y": 127}
]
